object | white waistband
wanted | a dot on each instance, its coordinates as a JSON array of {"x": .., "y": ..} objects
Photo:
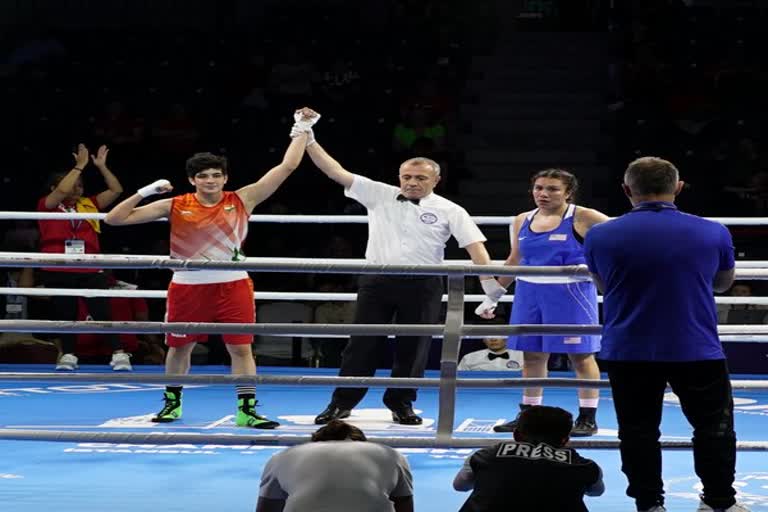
[
  {"x": 207, "y": 276},
  {"x": 553, "y": 280}
]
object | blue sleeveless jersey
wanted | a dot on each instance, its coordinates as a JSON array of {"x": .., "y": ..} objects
[
  {"x": 556, "y": 247},
  {"x": 553, "y": 300}
]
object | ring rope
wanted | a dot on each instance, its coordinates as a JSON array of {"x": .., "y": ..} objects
[
  {"x": 487, "y": 220},
  {"x": 279, "y": 265},
  {"x": 304, "y": 380},
  {"x": 361, "y": 261},
  {"x": 743, "y": 333},
  {"x": 158, "y": 438},
  {"x": 271, "y": 296},
  {"x": 298, "y": 329}
]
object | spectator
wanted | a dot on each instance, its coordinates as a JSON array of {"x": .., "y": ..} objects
[
  {"x": 77, "y": 237},
  {"x": 20, "y": 347},
  {"x": 144, "y": 348},
  {"x": 282, "y": 350},
  {"x": 328, "y": 350},
  {"x": 339, "y": 470},
  {"x": 119, "y": 128},
  {"x": 417, "y": 126},
  {"x": 536, "y": 471},
  {"x": 176, "y": 133},
  {"x": 290, "y": 78},
  {"x": 741, "y": 313},
  {"x": 341, "y": 82},
  {"x": 497, "y": 357}
]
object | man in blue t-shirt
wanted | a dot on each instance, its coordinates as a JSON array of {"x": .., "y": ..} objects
[{"x": 658, "y": 268}]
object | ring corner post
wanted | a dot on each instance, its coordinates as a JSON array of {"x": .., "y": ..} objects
[{"x": 454, "y": 322}]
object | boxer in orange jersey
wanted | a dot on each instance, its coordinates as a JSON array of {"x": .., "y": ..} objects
[{"x": 211, "y": 224}]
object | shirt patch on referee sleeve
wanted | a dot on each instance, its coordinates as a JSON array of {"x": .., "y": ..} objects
[{"x": 572, "y": 340}]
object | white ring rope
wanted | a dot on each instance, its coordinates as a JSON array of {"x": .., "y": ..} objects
[
  {"x": 329, "y": 261},
  {"x": 195, "y": 440},
  {"x": 332, "y": 219},
  {"x": 323, "y": 330},
  {"x": 39, "y": 260},
  {"x": 304, "y": 380},
  {"x": 280, "y": 296},
  {"x": 326, "y": 266}
]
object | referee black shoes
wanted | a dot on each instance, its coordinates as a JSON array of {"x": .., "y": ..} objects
[{"x": 332, "y": 412}]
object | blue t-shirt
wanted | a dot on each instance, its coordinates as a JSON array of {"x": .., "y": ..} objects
[{"x": 658, "y": 265}]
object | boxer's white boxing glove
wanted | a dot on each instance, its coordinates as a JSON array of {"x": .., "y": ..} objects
[{"x": 158, "y": 187}]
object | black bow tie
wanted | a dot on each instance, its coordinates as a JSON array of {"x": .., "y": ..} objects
[
  {"x": 401, "y": 197},
  {"x": 492, "y": 356}
]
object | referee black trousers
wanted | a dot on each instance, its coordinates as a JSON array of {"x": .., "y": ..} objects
[
  {"x": 704, "y": 391},
  {"x": 382, "y": 300},
  {"x": 65, "y": 308}
]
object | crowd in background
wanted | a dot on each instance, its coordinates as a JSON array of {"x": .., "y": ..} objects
[{"x": 683, "y": 83}]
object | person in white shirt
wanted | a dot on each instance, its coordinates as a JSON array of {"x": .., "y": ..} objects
[
  {"x": 407, "y": 225},
  {"x": 496, "y": 358},
  {"x": 343, "y": 472}
]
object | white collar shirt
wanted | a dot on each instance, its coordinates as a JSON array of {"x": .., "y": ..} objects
[
  {"x": 404, "y": 233},
  {"x": 479, "y": 361}
]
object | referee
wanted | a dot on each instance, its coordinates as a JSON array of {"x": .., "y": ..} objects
[
  {"x": 406, "y": 226},
  {"x": 658, "y": 268}
]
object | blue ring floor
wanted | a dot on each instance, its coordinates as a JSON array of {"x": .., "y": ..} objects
[{"x": 86, "y": 477}]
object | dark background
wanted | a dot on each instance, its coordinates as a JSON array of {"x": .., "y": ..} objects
[{"x": 510, "y": 87}]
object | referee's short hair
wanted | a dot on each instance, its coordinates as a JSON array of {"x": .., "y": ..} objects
[
  {"x": 650, "y": 175},
  {"x": 423, "y": 160}
]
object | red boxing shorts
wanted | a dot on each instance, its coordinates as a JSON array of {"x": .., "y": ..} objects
[{"x": 230, "y": 302}]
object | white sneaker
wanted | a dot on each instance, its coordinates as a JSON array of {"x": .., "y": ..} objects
[
  {"x": 736, "y": 507},
  {"x": 121, "y": 362},
  {"x": 67, "y": 363}
]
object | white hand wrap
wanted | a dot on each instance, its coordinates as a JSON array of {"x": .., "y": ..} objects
[
  {"x": 296, "y": 131},
  {"x": 305, "y": 124},
  {"x": 487, "y": 306},
  {"x": 493, "y": 289},
  {"x": 153, "y": 188}
]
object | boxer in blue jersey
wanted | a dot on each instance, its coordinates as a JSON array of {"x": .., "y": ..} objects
[{"x": 552, "y": 234}]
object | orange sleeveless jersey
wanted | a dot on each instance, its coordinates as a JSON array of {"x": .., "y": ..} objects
[{"x": 207, "y": 232}]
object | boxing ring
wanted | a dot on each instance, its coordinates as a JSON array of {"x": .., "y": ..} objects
[{"x": 87, "y": 451}]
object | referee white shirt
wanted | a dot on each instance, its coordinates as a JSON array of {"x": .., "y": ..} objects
[
  {"x": 481, "y": 361},
  {"x": 404, "y": 233},
  {"x": 336, "y": 476}
]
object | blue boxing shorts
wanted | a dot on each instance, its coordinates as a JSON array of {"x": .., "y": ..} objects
[{"x": 555, "y": 303}]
